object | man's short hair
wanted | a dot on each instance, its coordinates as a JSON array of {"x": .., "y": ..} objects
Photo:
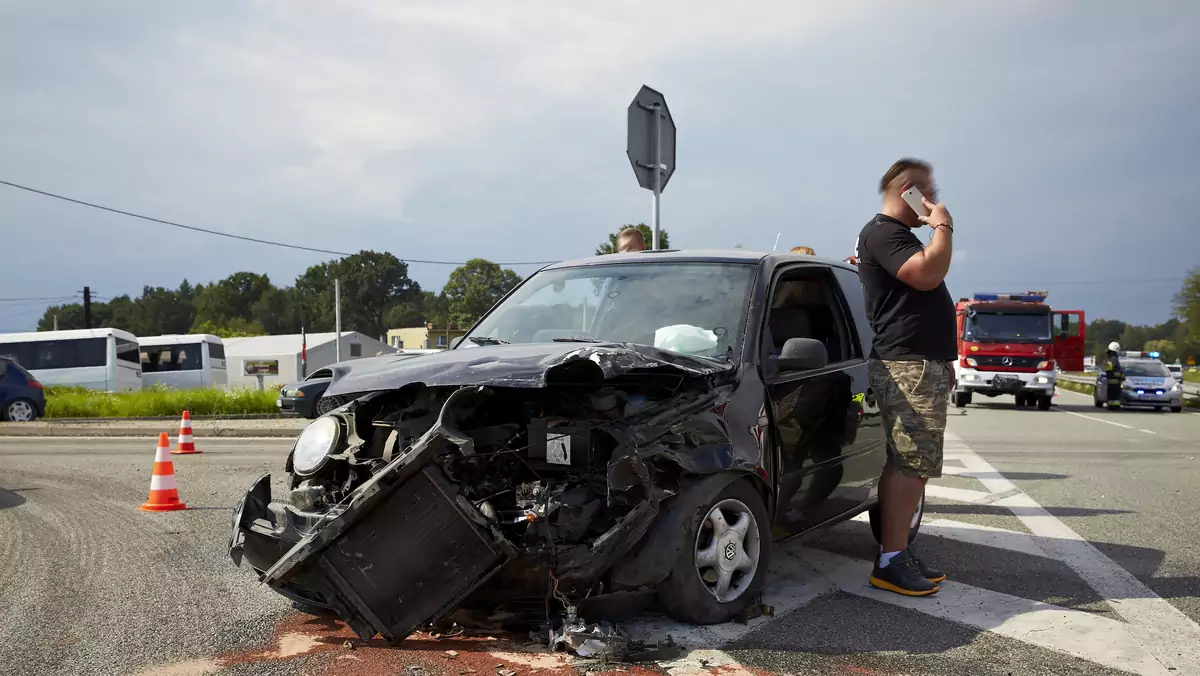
[
  {"x": 804, "y": 250},
  {"x": 899, "y": 168}
]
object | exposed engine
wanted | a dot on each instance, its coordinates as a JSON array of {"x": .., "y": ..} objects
[{"x": 552, "y": 470}]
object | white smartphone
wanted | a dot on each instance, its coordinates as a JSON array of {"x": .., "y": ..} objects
[{"x": 914, "y": 198}]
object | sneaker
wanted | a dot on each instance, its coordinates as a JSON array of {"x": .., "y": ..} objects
[
  {"x": 930, "y": 573},
  {"x": 902, "y": 576}
]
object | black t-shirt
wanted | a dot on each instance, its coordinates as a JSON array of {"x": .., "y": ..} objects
[{"x": 909, "y": 324}]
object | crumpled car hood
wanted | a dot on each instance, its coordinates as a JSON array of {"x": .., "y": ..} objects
[{"x": 523, "y": 365}]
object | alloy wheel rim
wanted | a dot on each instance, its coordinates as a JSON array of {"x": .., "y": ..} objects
[
  {"x": 20, "y": 411},
  {"x": 727, "y": 550}
]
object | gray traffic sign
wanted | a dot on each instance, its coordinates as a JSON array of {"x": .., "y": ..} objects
[
  {"x": 650, "y": 145},
  {"x": 648, "y": 108}
]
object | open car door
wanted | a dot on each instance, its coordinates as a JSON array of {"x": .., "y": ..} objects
[{"x": 1069, "y": 348}]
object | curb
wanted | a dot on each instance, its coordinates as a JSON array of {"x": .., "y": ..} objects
[{"x": 24, "y": 430}]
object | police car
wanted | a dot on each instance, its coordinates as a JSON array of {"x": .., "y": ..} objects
[{"x": 1148, "y": 383}]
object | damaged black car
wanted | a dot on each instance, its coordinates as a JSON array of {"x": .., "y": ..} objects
[{"x": 617, "y": 432}]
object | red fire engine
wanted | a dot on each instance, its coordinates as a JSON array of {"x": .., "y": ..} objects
[{"x": 1013, "y": 344}]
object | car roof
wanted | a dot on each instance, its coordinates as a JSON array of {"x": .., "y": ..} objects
[{"x": 744, "y": 256}]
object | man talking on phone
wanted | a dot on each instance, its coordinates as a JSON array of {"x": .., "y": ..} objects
[{"x": 912, "y": 314}]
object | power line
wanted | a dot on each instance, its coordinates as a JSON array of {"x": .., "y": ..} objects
[
  {"x": 15, "y": 300},
  {"x": 218, "y": 233}
]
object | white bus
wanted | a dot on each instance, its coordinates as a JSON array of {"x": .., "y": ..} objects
[
  {"x": 98, "y": 359},
  {"x": 183, "y": 362}
]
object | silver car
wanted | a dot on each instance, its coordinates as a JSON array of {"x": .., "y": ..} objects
[{"x": 1148, "y": 383}]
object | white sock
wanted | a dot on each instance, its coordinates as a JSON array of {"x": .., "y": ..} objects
[{"x": 886, "y": 558}]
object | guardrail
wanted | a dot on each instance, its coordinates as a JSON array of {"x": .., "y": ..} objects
[{"x": 1190, "y": 392}]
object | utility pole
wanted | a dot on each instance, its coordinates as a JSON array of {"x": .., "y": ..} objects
[
  {"x": 87, "y": 307},
  {"x": 337, "y": 319},
  {"x": 55, "y": 321}
]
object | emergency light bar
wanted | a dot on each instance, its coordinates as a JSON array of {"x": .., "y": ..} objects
[{"x": 1027, "y": 297}]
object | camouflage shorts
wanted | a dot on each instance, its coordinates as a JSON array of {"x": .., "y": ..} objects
[{"x": 913, "y": 397}]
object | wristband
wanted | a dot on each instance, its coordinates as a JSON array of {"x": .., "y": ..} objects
[{"x": 944, "y": 225}]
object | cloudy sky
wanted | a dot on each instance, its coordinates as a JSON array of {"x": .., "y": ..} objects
[{"x": 1064, "y": 135}]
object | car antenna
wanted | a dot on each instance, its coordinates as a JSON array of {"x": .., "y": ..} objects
[{"x": 776, "y": 241}]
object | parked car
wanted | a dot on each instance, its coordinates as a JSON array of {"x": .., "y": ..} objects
[
  {"x": 625, "y": 429},
  {"x": 307, "y": 398},
  {"x": 22, "y": 398},
  {"x": 1176, "y": 371}
]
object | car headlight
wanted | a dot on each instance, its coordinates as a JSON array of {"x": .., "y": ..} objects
[
  {"x": 1043, "y": 380},
  {"x": 1176, "y": 387},
  {"x": 315, "y": 444},
  {"x": 1043, "y": 365},
  {"x": 971, "y": 362}
]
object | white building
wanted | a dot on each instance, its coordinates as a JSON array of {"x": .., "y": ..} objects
[{"x": 278, "y": 357}]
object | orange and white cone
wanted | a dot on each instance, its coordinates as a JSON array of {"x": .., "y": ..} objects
[
  {"x": 164, "y": 494},
  {"x": 187, "y": 444}
]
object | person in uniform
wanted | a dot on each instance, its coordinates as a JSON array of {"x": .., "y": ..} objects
[{"x": 1114, "y": 375}]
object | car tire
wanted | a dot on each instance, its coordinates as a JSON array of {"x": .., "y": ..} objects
[
  {"x": 1043, "y": 403},
  {"x": 1158, "y": 409},
  {"x": 690, "y": 593},
  {"x": 325, "y": 405},
  {"x": 1176, "y": 409},
  {"x": 1096, "y": 402},
  {"x": 961, "y": 399},
  {"x": 19, "y": 410},
  {"x": 876, "y": 517}
]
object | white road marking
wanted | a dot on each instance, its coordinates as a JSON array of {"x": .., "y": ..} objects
[
  {"x": 955, "y": 494},
  {"x": 1148, "y": 431},
  {"x": 1090, "y": 637},
  {"x": 1101, "y": 420},
  {"x": 792, "y": 584},
  {"x": 987, "y": 536},
  {"x": 1129, "y": 598}
]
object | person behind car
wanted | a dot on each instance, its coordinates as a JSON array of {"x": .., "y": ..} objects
[
  {"x": 1114, "y": 374},
  {"x": 629, "y": 240},
  {"x": 912, "y": 314},
  {"x": 804, "y": 250}
]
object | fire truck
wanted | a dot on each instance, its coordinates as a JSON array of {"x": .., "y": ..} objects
[{"x": 1014, "y": 344}]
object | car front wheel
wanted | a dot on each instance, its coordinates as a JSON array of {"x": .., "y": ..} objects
[
  {"x": 914, "y": 526},
  {"x": 21, "y": 410},
  {"x": 723, "y": 564}
]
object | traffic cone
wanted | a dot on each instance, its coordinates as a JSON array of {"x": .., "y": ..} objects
[
  {"x": 186, "y": 443},
  {"x": 164, "y": 495}
]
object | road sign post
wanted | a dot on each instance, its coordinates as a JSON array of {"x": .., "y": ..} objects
[{"x": 650, "y": 146}]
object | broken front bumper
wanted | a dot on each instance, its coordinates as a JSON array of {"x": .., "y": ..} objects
[{"x": 389, "y": 561}]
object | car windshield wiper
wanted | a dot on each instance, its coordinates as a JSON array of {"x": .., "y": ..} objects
[
  {"x": 577, "y": 339},
  {"x": 486, "y": 340}
]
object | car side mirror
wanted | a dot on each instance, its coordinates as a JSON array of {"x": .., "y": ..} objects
[
  {"x": 454, "y": 343},
  {"x": 802, "y": 354}
]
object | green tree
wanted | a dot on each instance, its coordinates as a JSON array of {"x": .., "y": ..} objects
[
  {"x": 1101, "y": 332},
  {"x": 475, "y": 287},
  {"x": 161, "y": 311},
  {"x": 235, "y": 328},
  {"x": 231, "y": 298},
  {"x": 647, "y": 234},
  {"x": 371, "y": 284},
  {"x": 1165, "y": 348}
]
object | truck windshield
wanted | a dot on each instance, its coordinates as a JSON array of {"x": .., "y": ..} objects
[
  {"x": 1007, "y": 327},
  {"x": 692, "y": 308}
]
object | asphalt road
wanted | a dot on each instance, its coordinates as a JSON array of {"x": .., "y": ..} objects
[{"x": 1069, "y": 537}]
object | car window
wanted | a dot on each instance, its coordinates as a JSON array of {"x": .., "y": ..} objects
[
  {"x": 806, "y": 302},
  {"x": 1145, "y": 369},
  {"x": 692, "y": 308}
]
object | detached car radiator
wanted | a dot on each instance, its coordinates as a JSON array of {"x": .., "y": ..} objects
[{"x": 401, "y": 559}]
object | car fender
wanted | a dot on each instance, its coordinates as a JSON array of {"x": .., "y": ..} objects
[{"x": 649, "y": 563}]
